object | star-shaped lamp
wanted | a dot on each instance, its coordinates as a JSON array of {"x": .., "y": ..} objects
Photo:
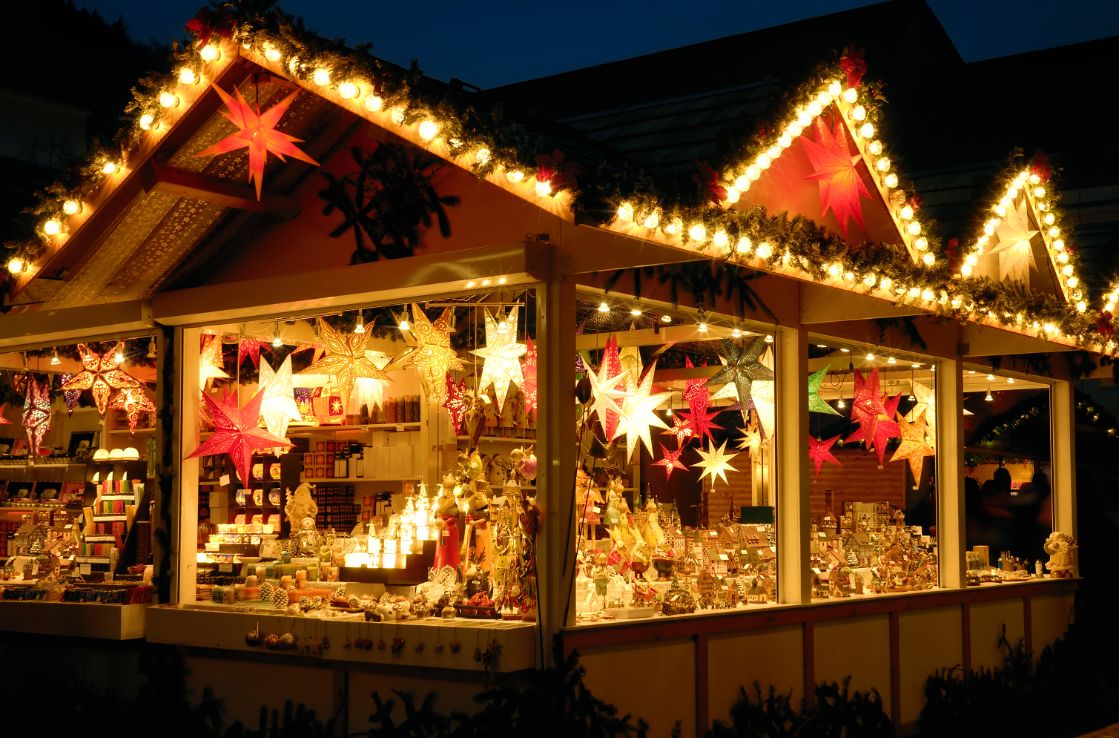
[
  {"x": 528, "y": 370},
  {"x": 256, "y": 131},
  {"x": 820, "y": 451},
  {"x": 715, "y": 462},
  {"x": 750, "y": 439},
  {"x": 1014, "y": 250},
  {"x": 836, "y": 172},
  {"x": 926, "y": 404},
  {"x": 455, "y": 402},
  {"x": 134, "y": 402},
  {"x": 101, "y": 375},
  {"x": 433, "y": 356},
  {"x": 249, "y": 347},
  {"x": 606, "y": 391},
  {"x": 638, "y": 414},
  {"x": 237, "y": 432},
  {"x": 344, "y": 361},
  {"x": 702, "y": 423},
  {"x": 873, "y": 412},
  {"x": 681, "y": 430},
  {"x": 913, "y": 447},
  {"x": 670, "y": 460},
  {"x": 210, "y": 362},
  {"x": 36, "y": 414},
  {"x": 278, "y": 407},
  {"x": 502, "y": 356},
  {"x": 741, "y": 367},
  {"x": 815, "y": 403}
]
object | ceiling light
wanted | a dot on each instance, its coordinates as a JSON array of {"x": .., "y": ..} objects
[
  {"x": 989, "y": 397},
  {"x": 277, "y": 342},
  {"x": 603, "y": 307},
  {"x": 55, "y": 361},
  {"x": 666, "y": 318},
  {"x": 359, "y": 326}
]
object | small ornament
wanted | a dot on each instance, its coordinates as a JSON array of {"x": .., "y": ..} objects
[
  {"x": 271, "y": 641},
  {"x": 455, "y": 646},
  {"x": 253, "y": 637},
  {"x": 287, "y": 642},
  {"x": 397, "y": 646},
  {"x": 670, "y": 460},
  {"x": 456, "y": 402}
]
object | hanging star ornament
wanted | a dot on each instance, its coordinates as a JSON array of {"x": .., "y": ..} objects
[
  {"x": 638, "y": 414},
  {"x": 926, "y": 404},
  {"x": 669, "y": 461},
  {"x": 873, "y": 412},
  {"x": 836, "y": 172},
  {"x": 741, "y": 367},
  {"x": 715, "y": 463},
  {"x": 820, "y": 451},
  {"x": 70, "y": 397},
  {"x": 36, "y": 414},
  {"x": 528, "y": 370},
  {"x": 257, "y": 132},
  {"x": 502, "y": 356},
  {"x": 913, "y": 447},
  {"x": 344, "y": 361},
  {"x": 133, "y": 402},
  {"x": 433, "y": 356},
  {"x": 456, "y": 402},
  {"x": 4, "y": 420},
  {"x": 750, "y": 439},
  {"x": 815, "y": 403},
  {"x": 210, "y": 362},
  {"x": 101, "y": 375},
  {"x": 1015, "y": 250},
  {"x": 702, "y": 423},
  {"x": 236, "y": 432},
  {"x": 278, "y": 407},
  {"x": 606, "y": 392},
  {"x": 681, "y": 430},
  {"x": 249, "y": 347}
]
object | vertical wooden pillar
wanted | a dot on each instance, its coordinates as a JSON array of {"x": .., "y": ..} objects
[
  {"x": 184, "y": 495},
  {"x": 555, "y": 449},
  {"x": 162, "y": 463},
  {"x": 1063, "y": 427},
  {"x": 951, "y": 523},
  {"x": 794, "y": 585}
]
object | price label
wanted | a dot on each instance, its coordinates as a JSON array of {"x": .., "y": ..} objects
[
  {"x": 224, "y": 481},
  {"x": 225, "y": 568},
  {"x": 85, "y": 569},
  {"x": 596, "y": 509},
  {"x": 724, "y": 557}
]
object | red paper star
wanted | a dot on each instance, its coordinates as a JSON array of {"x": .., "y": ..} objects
[
  {"x": 681, "y": 429},
  {"x": 101, "y": 375},
  {"x": 133, "y": 402},
  {"x": 236, "y": 432},
  {"x": 36, "y": 414},
  {"x": 836, "y": 171},
  {"x": 257, "y": 132},
  {"x": 528, "y": 371},
  {"x": 249, "y": 347},
  {"x": 612, "y": 360},
  {"x": 702, "y": 423},
  {"x": 3, "y": 420},
  {"x": 670, "y": 460},
  {"x": 873, "y": 412},
  {"x": 696, "y": 393},
  {"x": 820, "y": 451},
  {"x": 456, "y": 402}
]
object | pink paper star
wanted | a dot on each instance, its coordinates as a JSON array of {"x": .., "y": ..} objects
[
  {"x": 249, "y": 347},
  {"x": 455, "y": 402},
  {"x": 820, "y": 451},
  {"x": 873, "y": 412},
  {"x": 236, "y": 432},
  {"x": 836, "y": 171},
  {"x": 670, "y": 460},
  {"x": 681, "y": 429},
  {"x": 256, "y": 131}
]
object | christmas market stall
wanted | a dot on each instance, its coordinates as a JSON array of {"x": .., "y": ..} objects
[{"x": 429, "y": 387}]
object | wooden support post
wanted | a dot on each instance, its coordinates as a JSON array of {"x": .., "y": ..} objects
[
  {"x": 164, "y": 464},
  {"x": 951, "y": 523},
  {"x": 1063, "y": 425},
  {"x": 794, "y": 585},
  {"x": 184, "y": 533}
]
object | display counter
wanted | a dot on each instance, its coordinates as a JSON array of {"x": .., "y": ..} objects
[{"x": 76, "y": 619}]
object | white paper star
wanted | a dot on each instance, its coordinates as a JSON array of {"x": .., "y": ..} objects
[
  {"x": 1014, "y": 250},
  {"x": 210, "y": 363},
  {"x": 716, "y": 462},
  {"x": 926, "y": 403},
  {"x": 278, "y": 406},
  {"x": 637, "y": 414},
  {"x": 502, "y": 355},
  {"x": 605, "y": 393}
]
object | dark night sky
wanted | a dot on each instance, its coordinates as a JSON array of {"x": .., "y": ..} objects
[{"x": 512, "y": 41}]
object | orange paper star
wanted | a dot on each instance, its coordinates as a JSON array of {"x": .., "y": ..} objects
[
  {"x": 833, "y": 167},
  {"x": 345, "y": 361},
  {"x": 132, "y": 402},
  {"x": 101, "y": 375},
  {"x": 236, "y": 433},
  {"x": 257, "y": 132}
]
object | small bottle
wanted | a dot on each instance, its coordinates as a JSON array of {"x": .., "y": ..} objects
[{"x": 359, "y": 462}]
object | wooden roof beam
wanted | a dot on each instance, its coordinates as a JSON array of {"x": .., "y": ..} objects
[{"x": 220, "y": 192}]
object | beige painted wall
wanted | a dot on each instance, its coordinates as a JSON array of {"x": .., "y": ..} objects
[
  {"x": 987, "y": 619},
  {"x": 1051, "y": 616},
  {"x": 655, "y": 682},
  {"x": 927, "y": 641},
  {"x": 857, "y": 646},
  {"x": 768, "y": 657}
]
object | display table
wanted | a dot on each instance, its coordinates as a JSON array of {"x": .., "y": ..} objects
[{"x": 78, "y": 619}]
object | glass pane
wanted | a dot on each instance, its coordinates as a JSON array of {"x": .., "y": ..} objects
[{"x": 872, "y": 461}]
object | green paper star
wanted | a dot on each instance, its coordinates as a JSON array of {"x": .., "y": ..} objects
[
  {"x": 741, "y": 366},
  {"x": 815, "y": 403}
]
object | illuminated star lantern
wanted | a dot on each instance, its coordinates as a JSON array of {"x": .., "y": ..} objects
[
  {"x": 763, "y": 399},
  {"x": 210, "y": 362},
  {"x": 256, "y": 131},
  {"x": 836, "y": 172},
  {"x": 345, "y": 361},
  {"x": 702, "y": 423},
  {"x": 750, "y": 440},
  {"x": 433, "y": 356},
  {"x": 873, "y": 412},
  {"x": 715, "y": 463},
  {"x": 502, "y": 356},
  {"x": 236, "y": 432},
  {"x": 670, "y": 460},
  {"x": 913, "y": 447},
  {"x": 133, "y": 401},
  {"x": 815, "y": 403},
  {"x": 101, "y": 375},
  {"x": 681, "y": 430},
  {"x": 455, "y": 402},
  {"x": 249, "y": 347},
  {"x": 696, "y": 393},
  {"x": 1014, "y": 250},
  {"x": 528, "y": 370},
  {"x": 610, "y": 368},
  {"x": 820, "y": 451},
  {"x": 741, "y": 367},
  {"x": 638, "y": 414},
  {"x": 926, "y": 404},
  {"x": 70, "y": 397},
  {"x": 278, "y": 407},
  {"x": 36, "y": 414}
]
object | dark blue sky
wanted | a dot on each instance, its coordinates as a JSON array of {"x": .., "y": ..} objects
[{"x": 492, "y": 43}]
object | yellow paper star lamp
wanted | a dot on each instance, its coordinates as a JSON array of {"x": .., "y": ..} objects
[
  {"x": 715, "y": 462},
  {"x": 345, "y": 361},
  {"x": 210, "y": 362},
  {"x": 637, "y": 414},
  {"x": 502, "y": 356}
]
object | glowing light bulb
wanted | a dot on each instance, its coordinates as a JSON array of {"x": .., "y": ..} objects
[
  {"x": 603, "y": 307},
  {"x": 989, "y": 397},
  {"x": 765, "y": 250},
  {"x": 769, "y": 338},
  {"x": 118, "y": 357},
  {"x": 1072, "y": 281},
  {"x": 397, "y": 116},
  {"x": 858, "y": 113},
  {"x": 850, "y": 95},
  {"x": 635, "y": 312},
  {"x": 875, "y": 148},
  {"x": 814, "y": 108},
  {"x": 347, "y": 90},
  {"x": 271, "y": 53},
  {"x": 866, "y": 130},
  {"x": 321, "y": 77},
  {"x": 721, "y": 239},
  {"x": 625, "y": 212},
  {"x": 404, "y": 325},
  {"x": 883, "y": 164},
  {"x": 733, "y": 195},
  {"x": 72, "y": 207},
  {"x": 702, "y": 327},
  {"x": 914, "y": 228},
  {"x": 52, "y": 227},
  {"x": 210, "y": 53},
  {"x": 543, "y": 187},
  {"x": 482, "y": 156},
  {"x": 834, "y": 270},
  {"x": 840, "y": 403},
  {"x": 697, "y": 232},
  {"x": 870, "y": 280},
  {"x": 928, "y": 259},
  {"x": 744, "y": 245},
  {"x": 891, "y": 360},
  {"x": 16, "y": 265},
  {"x": 890, "y": 180},
  {"x": 869, "y": 356},
  {"x": 109, "y": 167},
  {"x": 834, "y": 88},
  {"x": 906, "y": 212},
  {"x": 735, "y": 333},
  {"x": 55, "y": 361},
  {"x": 515, "y": 176},
  {"x": 374, "y": 103},
  {"x": 359, "y": 325},
  {"x": 428, "y": 130},
  {"x": 652, "y": 220},
  {"x": 921, "y": 243},
  {"x": 147, "y": 120},
  {"x": 1039, "y": 191},
  {"x": 742, "y": 183}
]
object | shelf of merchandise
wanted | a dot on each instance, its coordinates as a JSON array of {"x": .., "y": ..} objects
[
  {"x": 119, "y": 431},
  {"x": 526, "y": 440},
  {"x": 350, "y": 480},
  {"x": 303, "y": 431}
]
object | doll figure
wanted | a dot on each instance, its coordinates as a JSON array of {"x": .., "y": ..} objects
[
  {"x": 477, "y": 545},
  {"x": 301, "y": 505},
  {"x": 446, "y": 523},
  {"x": 613, "y": 507},
  {"x": 652, "y": 533}
]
